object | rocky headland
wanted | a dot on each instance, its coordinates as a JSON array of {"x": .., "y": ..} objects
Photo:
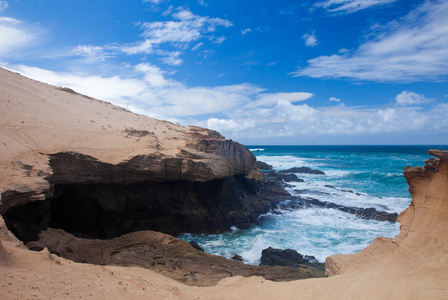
[{"x": 89, "y": 181}]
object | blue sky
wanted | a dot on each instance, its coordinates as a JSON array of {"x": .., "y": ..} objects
[{"x": 259, "y": 72}]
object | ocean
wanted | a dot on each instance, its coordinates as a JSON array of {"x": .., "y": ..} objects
[{"x": 356, "y": 176}]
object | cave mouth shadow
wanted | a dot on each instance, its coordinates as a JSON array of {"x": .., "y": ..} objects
[{"x": 104, "y": 211}]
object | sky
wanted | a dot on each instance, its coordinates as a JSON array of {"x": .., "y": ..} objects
[{"x": 328, "y": 72}]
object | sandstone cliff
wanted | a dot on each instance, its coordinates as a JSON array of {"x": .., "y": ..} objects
[
  {"x": 74, "y": 162},
  {"x": 414, "y": 264}
]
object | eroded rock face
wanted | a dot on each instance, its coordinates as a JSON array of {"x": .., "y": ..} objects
[{"x": 421, "y": 247}]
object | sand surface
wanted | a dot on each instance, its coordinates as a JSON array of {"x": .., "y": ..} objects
[{"x": 37, "y": 118}]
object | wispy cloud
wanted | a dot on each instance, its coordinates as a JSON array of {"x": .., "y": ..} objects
[
  {"x": 3, "y": 5},
  {"x": 310, "y": 39},
  {"x": 155, "y": 2},
  {"x": 14, "y": 34},
  {"x": 245, "y": 31},
  {"x": 414, "y": 48},
  {"x": 92, "y": 53},
  {"x": 289, "y": 10},
  {"x": 350, "y": 6},
  {"x": 185, "y": 28}
]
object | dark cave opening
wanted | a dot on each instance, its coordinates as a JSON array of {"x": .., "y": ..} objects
[{"x": 109, "y": 210}]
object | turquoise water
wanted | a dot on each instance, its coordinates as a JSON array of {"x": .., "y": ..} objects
[{"x": 359, "y": 176}]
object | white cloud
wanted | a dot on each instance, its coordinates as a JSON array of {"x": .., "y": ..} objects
[
  {"x": 415, "y": 48},
  {"x": 153, "y": 75},
  {"x": 3, "y": 5},
  {"x": 14, "y": 35},
  {"x": 197, "y": 46},
  {"x": 155, "y": 2},
  {"x": 334, "y": 99},
  {"x": 350, "y": 6},
  {"x": 217, "y": 40},
  {"x": 310, "y": 39},
  {"x": 170, "y": 57},
  {"x": 410, "y": 98},
  {"x": 267, "y": 99},
  {"x": 286, "y": 119},
  {"x": 145, "y": 46},
  {"x": 188, "y": 28},
  {"x": 91, "y": 53},
  {"x": 244, "y": 31}
]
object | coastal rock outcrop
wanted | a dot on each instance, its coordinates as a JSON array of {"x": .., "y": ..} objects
[
  {"x": 303, "y": 170},
  {"x": 288, "y": 257}
]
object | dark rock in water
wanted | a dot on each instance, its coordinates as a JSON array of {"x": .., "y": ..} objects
[
  {"x": 363, "y": 213},
  {"x": 263, "y": 166},
  {"x": 196, "y": 246},
  {"x": 290, "y": 258},
  {"x": 237, "y": 258},
  {"x": 304, "y": 170},
  {"x": 163, "y": 254},
  {"x": 278, "y": 257},
  {"x": 290, "y": 177},
  {"x": 280, "y": 179},
  {"x": 306, "y": 191}
]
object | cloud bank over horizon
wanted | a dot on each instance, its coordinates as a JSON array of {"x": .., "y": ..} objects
[{"x": 156, "y": 72}]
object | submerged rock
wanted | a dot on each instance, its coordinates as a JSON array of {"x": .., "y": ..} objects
[{"x": 304, "y": 170}]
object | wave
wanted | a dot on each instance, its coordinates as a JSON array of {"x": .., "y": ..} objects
[{"x": 256, "y": 149}]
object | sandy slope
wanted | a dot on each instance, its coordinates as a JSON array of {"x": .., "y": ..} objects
[{"x": 36, "y": 117}]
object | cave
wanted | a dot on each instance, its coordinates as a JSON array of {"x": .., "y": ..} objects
[{"x": 108, "y": 210}]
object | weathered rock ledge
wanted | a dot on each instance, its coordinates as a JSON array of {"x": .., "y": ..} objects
[{"x": 163, "y": 254}]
